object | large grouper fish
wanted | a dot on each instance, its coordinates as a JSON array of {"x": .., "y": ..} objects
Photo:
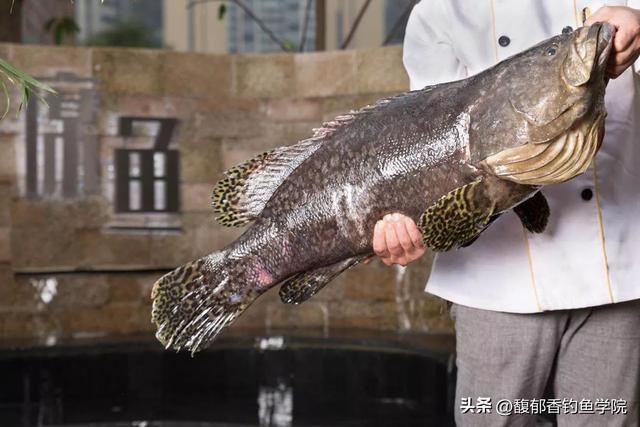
[{"x": 452, "y": 157}]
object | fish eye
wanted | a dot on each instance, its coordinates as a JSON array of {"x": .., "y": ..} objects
[{"x": 551, "y": 51}]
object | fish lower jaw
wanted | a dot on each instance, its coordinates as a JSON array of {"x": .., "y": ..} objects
[{"x": 558, "y": 160}]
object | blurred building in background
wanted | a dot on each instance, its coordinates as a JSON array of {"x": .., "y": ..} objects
[
  {"x": 340, "y": 16},
  {"x": 396, "y": 15},
  {"x": 285, "y": 18},
  {"x": 199, "y": 27},
  {"x": 27, "y": 21},
  {"x": 209, "y": 26},
  {"x": 95, "y": 19},
  {"x": 37, "y": 13},
  {"x": 193, "y": 29}
]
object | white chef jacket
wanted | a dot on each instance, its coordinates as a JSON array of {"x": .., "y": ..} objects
[{"x": 588, "y": 254}]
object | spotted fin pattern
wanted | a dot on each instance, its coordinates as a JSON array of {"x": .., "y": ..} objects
[
  {"x": 303, "y": 286},
  {"x": 456, "y": 218},
  {"x": 227, "y": 198},
  {"x": 534, "y": 213},
  {"x": 194, "y": 302},
  {"x": 242, "y": 194}
]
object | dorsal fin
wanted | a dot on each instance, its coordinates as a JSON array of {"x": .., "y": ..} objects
[
  {"x": 243, "y": 193},
  {"x": 247, "y": 187},
  {"x": 330, "y": 127}
]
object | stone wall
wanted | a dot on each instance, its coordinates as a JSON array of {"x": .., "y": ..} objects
[{"x": 71, "y": 265}]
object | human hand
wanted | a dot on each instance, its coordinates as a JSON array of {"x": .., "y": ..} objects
[
  {"x": 397, "y": 240},
  {"x": 626, "y": 41}
]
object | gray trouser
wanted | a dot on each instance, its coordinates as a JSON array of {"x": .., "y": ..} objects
[{"x": 590, "y": 357}]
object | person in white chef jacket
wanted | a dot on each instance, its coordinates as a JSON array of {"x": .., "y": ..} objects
[{"x": 558, "y": 310}]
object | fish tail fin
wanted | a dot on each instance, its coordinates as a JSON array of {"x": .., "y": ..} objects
[{"x": 194, "y": 302}]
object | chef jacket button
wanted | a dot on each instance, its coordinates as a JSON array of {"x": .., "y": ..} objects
[
  {"x": 504, "y": 41},
  {"x": 567, "y": 29},
  {"x": 586, "y": 194}
]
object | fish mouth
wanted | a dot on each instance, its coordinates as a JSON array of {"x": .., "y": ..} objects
[{"x": 603, "y": 33}]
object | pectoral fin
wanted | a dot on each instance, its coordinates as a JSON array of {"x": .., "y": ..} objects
[
  {"x": 534, "y": 213},
  {"x": 457, "y": 218},
  {"x": 301, "y": 287}
]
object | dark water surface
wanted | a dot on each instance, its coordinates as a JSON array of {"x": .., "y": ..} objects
[{"x": 241, "y": 381}]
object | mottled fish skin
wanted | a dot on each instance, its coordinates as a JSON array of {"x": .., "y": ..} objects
[
  {"x": 405, "y": 154},
  {"x": 395, "y": 160}
]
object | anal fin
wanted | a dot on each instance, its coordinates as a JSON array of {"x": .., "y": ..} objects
[
  {"x": 457, "y": 218},
  {"x": 534, "y": 213},
  {"x": 302, "y": 286}
]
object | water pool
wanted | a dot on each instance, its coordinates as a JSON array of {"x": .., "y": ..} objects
[{"x": 275, "y": 380}]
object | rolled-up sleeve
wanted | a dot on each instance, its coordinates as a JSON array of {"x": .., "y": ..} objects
[{"x": 427, "y": 55}]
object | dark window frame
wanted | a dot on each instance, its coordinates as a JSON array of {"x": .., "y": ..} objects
[{"x": 147, "y": 177}]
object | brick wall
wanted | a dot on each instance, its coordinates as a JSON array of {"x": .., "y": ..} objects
[{"x": 73, "y": 266}]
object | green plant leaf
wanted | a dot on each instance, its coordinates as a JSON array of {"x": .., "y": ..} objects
[
  {"x": 27, "y": 84},
  {"x": 5, "y": 90},
  {"x": 289, "y": 45},
  {"x": 61, "y": 27}
]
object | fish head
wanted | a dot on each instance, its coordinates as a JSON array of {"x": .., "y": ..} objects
[
  {"x": 558, "y": 107},
  {"x": 563, "y": 80}
]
